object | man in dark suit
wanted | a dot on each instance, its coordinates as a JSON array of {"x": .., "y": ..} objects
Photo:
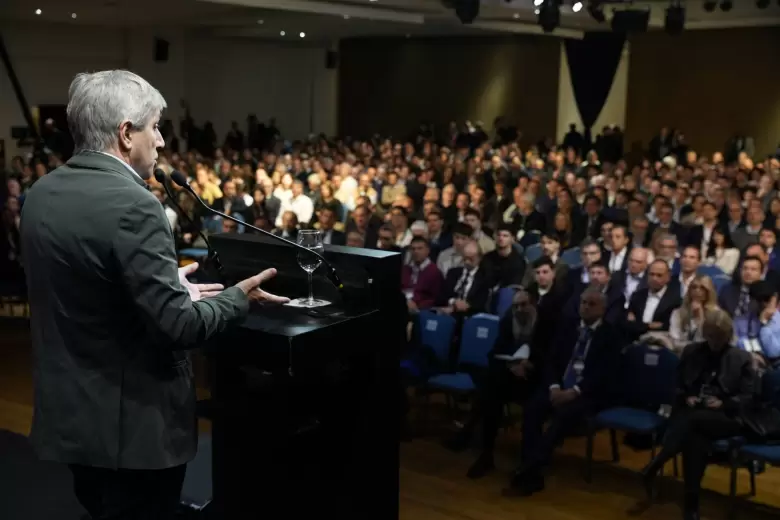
[
  {"x": 112, "y": 317},
  {"x": 600, "y": 278},
  {"x": 325, "y": 221},
  {"x": 575, "y": 386},
  {"x": 466, "y": 289},
  {"x": 651, "y": 307}
]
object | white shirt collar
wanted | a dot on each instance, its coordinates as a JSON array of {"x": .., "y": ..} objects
[
  {"x": 129, "y": 168},
  {"x": 593, "y": 326},
  {"x": 659, "y": 294}
]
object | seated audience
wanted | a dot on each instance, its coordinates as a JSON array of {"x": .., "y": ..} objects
[
  {"x": 685, "y": 325},
  {"x": 579, "y": 278},
  {"x": 506, "y": 264},
  {"x": 576, "y": 385},
  {"x": 466, "y": 289},
  {"x": 650, "y": 308},
  {"x": 421, "y": 280},
  {"x": 551, "y": 248},
  {"x": 453, "y": 256},
  {"x": 636, "y": 276},
  {"x": 721, "y": 251},
  {"x": 715, "y": 387},
  {"x": 758, "y": 331},
  {"x": 735, "y": 297}
]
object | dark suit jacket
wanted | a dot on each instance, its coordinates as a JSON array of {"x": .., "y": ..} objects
[
  {"x": 600, "y": 362},
  {"x": 478, "y": 294},
  {"x": 337, "y": 238},
  {"x": 736, "y": 376},
  {"x": 663, "y": 313},
  {"x": 110, "y": 321},
  {"x": 616, "y": 305}
]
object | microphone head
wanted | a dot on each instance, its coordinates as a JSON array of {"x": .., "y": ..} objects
[
  {"x": 159, "y": 175},
  {"x": 179, "y": 178}
]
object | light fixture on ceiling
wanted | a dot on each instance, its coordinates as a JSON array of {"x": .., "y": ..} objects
[
  {"x": 537, "y": 3},
  {"x": 282, "y": 33},
  {"x": 537, "y": 11},
  {"x": 38, "y": 12},
  {"x": 302, "y": 35},
  {"x": 346, "y": 17},
  {"x": 260, "y": 22},
  {"x": 516, "y": 16},
  {"x": 73, "y": 15},
  {"x": 726, "y": 5},
  {"x": 577, "y": 7}
]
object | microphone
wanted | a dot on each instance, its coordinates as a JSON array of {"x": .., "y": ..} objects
[
  {"x": 160, "y": 176},
  {"x": 181, "y": 180}
]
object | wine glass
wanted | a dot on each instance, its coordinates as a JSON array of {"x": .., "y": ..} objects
[{"x": 310, "y": 239}]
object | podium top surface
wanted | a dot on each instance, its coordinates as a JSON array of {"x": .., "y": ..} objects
[{"x": 290, "y": 322}]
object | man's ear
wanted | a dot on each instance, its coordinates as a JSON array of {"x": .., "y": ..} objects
[{"x": 125, "y": 131}]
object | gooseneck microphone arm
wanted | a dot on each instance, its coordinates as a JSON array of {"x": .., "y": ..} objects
[
  {"x": 181, "y": 180},
  {"x": 160, "y": 176}
]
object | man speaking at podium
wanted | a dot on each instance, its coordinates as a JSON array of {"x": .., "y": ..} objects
[{"x": 112, "y": 315}]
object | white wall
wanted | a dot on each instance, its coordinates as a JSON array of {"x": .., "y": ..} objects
[
  {"x": 223, "y": 80},
  {"x": 614, "y": 111}
]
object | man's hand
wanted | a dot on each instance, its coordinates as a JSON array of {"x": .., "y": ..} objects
[
  {"x": 758, "y": 360},
  {"x": 631, "y": 317},
  {"x": 251, "y": 287},
  {"x": 200, "y": 290},
  {"x": 519, "y": 369},
  {"x": 692, "y": 401},
  {"x": 461, "y": 306},
  {"x": 713, "y": 403},
  {"x": 445, "y": 310},
  {"x": 560, "y": 397},
  {"x": 656, "y": 325}
]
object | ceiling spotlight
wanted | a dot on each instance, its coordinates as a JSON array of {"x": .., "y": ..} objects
[
  {"x": 762, "y": 4},
  {"x": 537, "y": 11},
  {"x": 73, "y": 15},
  {"x": 537, "y": 3},
  {"x": 260, "y": 22},
  {"x": 302, "y": 35},
  {"x": 282, "y": 33},
  {"x": 516, "y": 16},
  {"x": 577, "y": 7},
  {"x": 38, "y": 12},
  {"x": 710, "y": 5},
  {"x": 726, "y": 5}
]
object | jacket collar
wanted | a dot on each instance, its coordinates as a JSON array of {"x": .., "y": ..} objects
[{"x": 89, "y": 160}]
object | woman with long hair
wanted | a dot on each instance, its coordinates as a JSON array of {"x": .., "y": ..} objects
[
  {"x": 721, "y": 252},
  {"x": 685, "y": 325}
]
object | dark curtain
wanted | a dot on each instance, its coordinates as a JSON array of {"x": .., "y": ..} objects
[{"x": 593, "y": 62}]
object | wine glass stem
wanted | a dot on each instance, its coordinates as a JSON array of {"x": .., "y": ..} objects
[{"x": 311, "y": 289}]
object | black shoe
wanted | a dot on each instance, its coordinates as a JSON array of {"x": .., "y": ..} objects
[
  {"x": 525, "y": 483},
  {"x": 481, "y": 467}
]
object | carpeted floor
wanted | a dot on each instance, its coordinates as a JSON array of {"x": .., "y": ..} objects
[{"x": 31, "y": 489}]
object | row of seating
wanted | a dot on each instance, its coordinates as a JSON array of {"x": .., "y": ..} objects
[{"x": 647, "y": 387}]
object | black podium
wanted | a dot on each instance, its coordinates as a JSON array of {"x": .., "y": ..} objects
[{"x": 305, "y": 402}]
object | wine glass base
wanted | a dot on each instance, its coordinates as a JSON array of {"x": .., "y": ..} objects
[{"x": 308, "y": 304}]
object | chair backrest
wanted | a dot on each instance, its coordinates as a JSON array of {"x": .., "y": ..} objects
[
  {"x": 712, "y": 271},
  {"x": 571, "y": 257},
  {"x": 649, "y": 375},
  {"x": 504, "y": 299},
  {"x": 533, "y": 253},
  {"x": 531, "y": 238},
  {"x": 436, "y": 332},
  {"x": 720, "y": 281},
  {"x": 477, "y": 339}
]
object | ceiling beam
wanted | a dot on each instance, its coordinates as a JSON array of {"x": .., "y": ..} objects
[
  {"x": 527, "y": 28},
  {"x": 302, "y": 6}
]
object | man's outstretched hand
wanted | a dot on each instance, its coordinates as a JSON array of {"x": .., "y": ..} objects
[
  {"x": 197, "y": 291},
  {"x": 251, "y": 287}
]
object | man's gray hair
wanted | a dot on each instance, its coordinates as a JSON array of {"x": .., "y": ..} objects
[{"x": 99, "y": 102}]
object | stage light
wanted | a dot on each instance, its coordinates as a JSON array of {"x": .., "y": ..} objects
[
  {"x": 577, "y": 7},
  {"x": 282, "y": 33},
  {"x": 302, "y": 35},
  {"x": 38, "y": 12}
]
